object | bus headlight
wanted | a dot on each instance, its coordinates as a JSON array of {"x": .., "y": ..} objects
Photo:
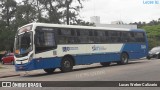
[{"x": 31, "y": 57}]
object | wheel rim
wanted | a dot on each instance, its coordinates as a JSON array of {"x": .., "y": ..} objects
[
  {"x": 124, "y": 58},
  {"x": 67, "y": 64}
]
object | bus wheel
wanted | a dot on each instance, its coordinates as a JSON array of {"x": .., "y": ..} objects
[
  {"x": 105, "y": 64},
  {"x": 49, "y": 70},
  {"x": 123, "y": 58},
  {"x": 66, "y": 64}
]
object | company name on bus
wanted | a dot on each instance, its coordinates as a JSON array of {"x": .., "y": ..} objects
[
  {"x": 65, "y": 49},
  {"x": 98, "y": 48}
]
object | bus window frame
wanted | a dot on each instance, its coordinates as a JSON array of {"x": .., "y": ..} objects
[{"x": 35, "y": 39}]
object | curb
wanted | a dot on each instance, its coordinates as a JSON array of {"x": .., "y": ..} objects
[{"x": 11, "y": 75}]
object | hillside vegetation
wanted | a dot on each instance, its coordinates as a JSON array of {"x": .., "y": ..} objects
[{"x": 153, "y": 34}]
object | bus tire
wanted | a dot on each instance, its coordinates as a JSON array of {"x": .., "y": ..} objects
[
  {"x": 66, "y": 64},
  {"x": 105, "y": 64},
  {"x": 49, "y": 70},
  {"x": 124, "y": 59}
]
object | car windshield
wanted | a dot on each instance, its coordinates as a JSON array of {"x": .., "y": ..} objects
[{"x": 23, "y": 43}]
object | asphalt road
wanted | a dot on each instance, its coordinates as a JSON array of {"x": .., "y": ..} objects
[{"x": 140, "y": 70}]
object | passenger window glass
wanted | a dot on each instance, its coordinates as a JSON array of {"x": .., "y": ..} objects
[
  {"x": 139, "y": 37},
  {"x": 44, "y": 40},
  {"x": 65, "y": 31}
]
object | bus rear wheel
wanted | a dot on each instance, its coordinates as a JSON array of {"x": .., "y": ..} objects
[
  {"x": 49, "y": 70},
  {"x": 66, "y": 64},
  {"x": 124, "y": 59},
  {"x": 105, "y": 64}
]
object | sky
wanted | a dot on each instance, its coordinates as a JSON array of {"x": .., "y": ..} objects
[{"x": 121, "y": 10}]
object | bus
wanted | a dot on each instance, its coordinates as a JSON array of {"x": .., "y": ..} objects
[{"x": 50, "y": 46}]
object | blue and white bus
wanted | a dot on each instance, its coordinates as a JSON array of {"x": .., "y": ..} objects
[{"x": 50, "y": 46}]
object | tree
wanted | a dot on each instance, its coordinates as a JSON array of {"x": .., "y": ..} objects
[
  {"x": 26, "y": 13},
  {"x": 71, "y": 12},
  {"x": 8, "y": 10},
  {"x": 60, "y": 11},
  {"x": 159, "y": 20},
  {"x": 14, "y": 15},
  {"x": 50, "y": 8},
  {"x": 83, "y": 23},
  {"x": 68, "y": 13}
]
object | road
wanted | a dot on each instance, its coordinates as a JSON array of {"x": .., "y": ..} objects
[{"x": 141, "y": 70}]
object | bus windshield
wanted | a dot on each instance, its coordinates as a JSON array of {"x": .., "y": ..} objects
[{"x": 23, "y": 44}]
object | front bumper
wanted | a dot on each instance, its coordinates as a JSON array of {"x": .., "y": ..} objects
[
  {"x": 152, "y": 55},
  {"x": 41, "y": 63}
]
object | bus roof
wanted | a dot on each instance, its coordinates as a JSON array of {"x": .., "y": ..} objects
[{"x": 81, "y": 27}]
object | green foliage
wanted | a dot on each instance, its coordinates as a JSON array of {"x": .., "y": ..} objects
[
  {"x": 153, "y": 34},
  {"x": 14, "y": 15},
  {"x": 153, "y": 30},
  {"x": 8, "y": 10}
]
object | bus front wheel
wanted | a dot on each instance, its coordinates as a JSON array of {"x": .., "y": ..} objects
[
  {"x": 66, "y": 64},
  {"x": 49, "y": 70},
  {"x": 124, "y": 59}
]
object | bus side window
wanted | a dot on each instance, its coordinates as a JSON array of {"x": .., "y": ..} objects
[
  {"x": 59, "y": 31},
  {"x": 90, "y": 33},
  {"x": 39, "y": 40},
  {"x": 140, "y": 37},
  {"x": 132, "y": 37},
  {"x": 90, "y": 36},
  {"x": 78, "y": 33},
  {"x": 72, "y": 32},
  {"x": 95, "y": 33},
  {"x": 106, "y": 33},
  {"x": 124, "y": 37}
]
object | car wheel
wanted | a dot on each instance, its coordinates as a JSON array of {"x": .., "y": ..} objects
[
  {"x": 49, "y": 70},
  {"x": 2, "y": 62},
  {"x": 12, "y": 62},
  {"x": 148, "y": 57},
  {"x": 105, "y": 64},
  {"x": 158, "y": 56},
  {"x": 124, "y": 59},
  {"x": 66, "y": 64}
]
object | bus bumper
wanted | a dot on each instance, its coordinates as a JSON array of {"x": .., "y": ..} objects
[{"x": 35, "y": 64}]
